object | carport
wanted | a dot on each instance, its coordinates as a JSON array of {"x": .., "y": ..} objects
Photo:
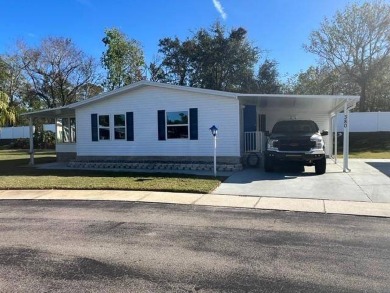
[{"x": 259, "y": 112}]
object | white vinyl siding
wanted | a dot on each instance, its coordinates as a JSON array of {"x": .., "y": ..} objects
[{"x": 145, "y": 102}]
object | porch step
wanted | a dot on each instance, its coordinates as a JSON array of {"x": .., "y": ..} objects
[{"x": 154, "y": 166}]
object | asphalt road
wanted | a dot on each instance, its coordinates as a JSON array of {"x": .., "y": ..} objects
[{"x": 58, "y": 246}]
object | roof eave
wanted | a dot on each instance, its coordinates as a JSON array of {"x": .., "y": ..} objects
[
  {"x": 300, "y": 96},
  {"x": 144, "y": 83},
  {"x": 49, "y": 113}
]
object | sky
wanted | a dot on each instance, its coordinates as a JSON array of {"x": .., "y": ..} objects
[{"x": 277, "y": 27}]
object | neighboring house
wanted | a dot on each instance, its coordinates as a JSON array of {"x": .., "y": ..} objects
[{"x": 149, "y": 121}]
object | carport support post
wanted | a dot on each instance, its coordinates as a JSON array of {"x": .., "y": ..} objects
[
  {"x": 335, "y": 125},
  {"x": 31, "y": 130},
  {"x": 346, "y": 138}
]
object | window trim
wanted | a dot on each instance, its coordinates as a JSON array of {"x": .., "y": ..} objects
[
  {"x": 73, "y": 139},
  {"x": 124, "y": 127},
  {"x": 104, "y": 127},
  {"x": 175, "y": 125},
  {"x": 111, "y": 128},
  {"x": 59, "y": 135}
]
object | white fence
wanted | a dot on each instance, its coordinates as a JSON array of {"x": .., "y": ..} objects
[
  {"x": 21, "y": 131},
  {"x": 14, "y": 132},
  {"x": 365, "y": 121},
  {"x": 254, "y": 141}
]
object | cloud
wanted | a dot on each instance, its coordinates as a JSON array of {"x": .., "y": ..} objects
[{"x": 218, "y": 6}]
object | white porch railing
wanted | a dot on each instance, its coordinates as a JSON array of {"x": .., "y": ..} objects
[{"x": 254, "y": 141}]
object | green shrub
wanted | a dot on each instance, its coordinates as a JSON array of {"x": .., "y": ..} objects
[
  {"x": 20, "y": 143},
  {"x": 44, "y": 140}
]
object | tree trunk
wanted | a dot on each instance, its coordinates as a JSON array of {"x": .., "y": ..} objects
[{"x": 363, "y": 95}]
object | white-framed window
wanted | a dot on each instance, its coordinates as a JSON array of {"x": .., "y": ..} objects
[
  {"x": 66, "y": 130},
  {"x": 120, "y": 126},
  {"x": 104, "y": 127},
  {"x": 177, "y": 125},
  {"x": 72, "y": 127}
]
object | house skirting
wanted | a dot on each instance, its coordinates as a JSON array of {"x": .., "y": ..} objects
[
  {"x": 66, "y": 156},
  {"x": 157, "y": 163}
]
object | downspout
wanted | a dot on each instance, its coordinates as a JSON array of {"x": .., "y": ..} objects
[{"x": 31, "y": 130}]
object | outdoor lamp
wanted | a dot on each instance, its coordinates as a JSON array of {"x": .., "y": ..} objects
[{"x": 214, "y": 130}]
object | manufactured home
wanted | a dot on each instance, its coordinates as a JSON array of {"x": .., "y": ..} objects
[{"x": 153, "y": 122}]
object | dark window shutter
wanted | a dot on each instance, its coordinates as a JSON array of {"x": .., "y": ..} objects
[
  {"x": 193, "y": 123},
  {"x": 94, "y": 127},
  {"x": 129, "y": 126},
  {"x": 161, "y": 124}
]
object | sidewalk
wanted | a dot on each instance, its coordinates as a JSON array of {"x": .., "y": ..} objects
[{"x": 217, "y": 200}]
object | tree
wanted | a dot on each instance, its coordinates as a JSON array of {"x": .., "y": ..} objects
[
  {"x": 211, "y": 59},
  {"x": 177, "y": 60},
  {"x": 7, "y": 114},
  {"x": 356, "y": 42},
  {"x": 12, "y": 82},
  {"x": 156, "y": 72},
  {"x": 56, "y": 72},
  {"x": 13, "y": 79},
  {"x": 3, "y": 67},
  {"x": 222, "y": 61},
  {"x": 89, "y": 90},
  {"x": 267, "y": 78},
  {"x": 379, "y": 93},
  {"x": 323, "y": 80},
  {"x": 123, "y": 59}
]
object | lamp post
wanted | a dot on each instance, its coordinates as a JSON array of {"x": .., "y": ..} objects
[{"x": 214, "y": 131}]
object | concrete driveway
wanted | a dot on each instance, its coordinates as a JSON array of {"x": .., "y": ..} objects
[{"x": 368, "y": 181}]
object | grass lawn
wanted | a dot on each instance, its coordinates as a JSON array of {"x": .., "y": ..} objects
[
  {"x": 369, "y": 155},
  {"x": 16, "y": 174},
  {"x": 368, "y": 145}
]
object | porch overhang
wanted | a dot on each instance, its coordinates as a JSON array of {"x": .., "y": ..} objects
[
  {"x": 47, "y": 113},
  {"x": 51, "y": 113}
]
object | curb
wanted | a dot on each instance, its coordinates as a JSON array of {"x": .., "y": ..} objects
[{"x": 215, "y": 200}]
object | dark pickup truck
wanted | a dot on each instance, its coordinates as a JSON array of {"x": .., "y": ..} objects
[{"x": 296, "y": 141}]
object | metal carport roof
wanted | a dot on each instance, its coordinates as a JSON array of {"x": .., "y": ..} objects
[{"x": 329, "y": 105}]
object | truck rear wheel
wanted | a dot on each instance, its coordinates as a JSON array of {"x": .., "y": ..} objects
[{"x": 320, "y": 166}]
